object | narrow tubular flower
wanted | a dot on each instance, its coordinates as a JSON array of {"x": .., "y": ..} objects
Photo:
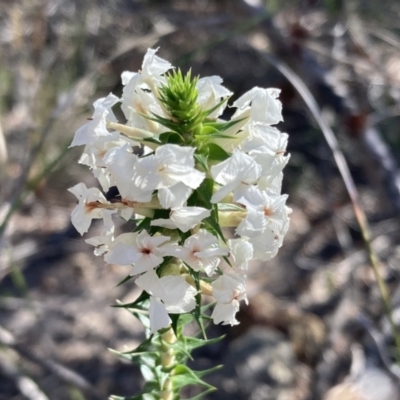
[{"x": 182, "y": 173}]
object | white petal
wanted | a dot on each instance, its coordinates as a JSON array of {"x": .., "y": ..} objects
[
  {"x": 225, "y": 313},
  {"x": 127, "y": 213},
  {"x": 159, "y": 317},
  {"x": 153, "y": 65},
  {"x": 175, "y": 196},
  {"x": 80, "y": 220},
  {"x": 146, "y": 263},
  {"x": 238, "y": 169},
  {"x": 122, "y": 254},
  {"x": 179, "y": 295},
  {"x": 150, "y": 282},
  {"x": 126, "y": 76},
  {"x": 241, "y": 252},
  {"x": 253, "y": 225}
]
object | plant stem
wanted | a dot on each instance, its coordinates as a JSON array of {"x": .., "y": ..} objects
[{"x": 167, "y": 361}]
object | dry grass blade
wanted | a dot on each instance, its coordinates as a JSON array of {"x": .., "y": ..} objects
[{"x": 341, "y": 163}]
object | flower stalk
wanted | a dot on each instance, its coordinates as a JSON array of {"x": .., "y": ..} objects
[{"x": 182, "y": 173}]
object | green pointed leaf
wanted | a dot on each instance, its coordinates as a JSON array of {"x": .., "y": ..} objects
[
  {"x": 198, "y": 314},
  {"x": 205, "y": 372},
  {"x": 171, "y": 137},
  {"x": 163, "y": 214},
  {"x": 227, "y": 261},
  {"x": 213, "y": 223},
  {"x": 205, "y": 191},
  {"x": 223, "y": 126},
  {"x": 185, "y": 345},
  {"x": 150, "y": 345},
  {"x": 216, "y": 135},
  {"x": 173, "y": 126},
  {"x": 202, "y": 160},
  {"x": 140, "y": 358},
  {"x": 149, "y": 373},
  {"x": 144, "y": 296},
  {"x": 208, "y": 130},
  {"x": 216, "y": 152},
  {"x": 184, "y": 376},
  {"x": 208, "y": 112},
  {"x": 143, "y": 224},
  {"x": 192, "y": 343},
  {"x": 144, "y": 320},
  {"x": 123, "y": 281},
  {"x": 201, "y": 197}
]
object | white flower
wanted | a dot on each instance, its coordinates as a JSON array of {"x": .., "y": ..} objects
[
  {"x": 267, "y": 145},
  {"x": 96, "y": 127},
  {"x": 170, "y": 170},
  {"x": 121, "y": 165},
  {"x": 263, "y": 103},
  {"x": 179, "y": 295},
  {"x": 88, "y": 208},
  {"x": 235, "y": 174},
  {"x": 264, "y": 210},
  {"x": 173, "y": 294},
  {"x": 210, "y": 94},
  {"x": 272, "y": 183},
  {"x": 228, "y": 291},
  {"x": 200, "y": 251},
  {"x": 241, "y": 251},
  {"x": 266, "y": 245},
  {"x": 93, "y": 156},
  {"x": 183, "y": 218},
  {"x": 137, "y": 102},
  {"x": 152, "y": 71},
  {"x": 140, "y": 249},
  {"x": 154, "y": 67}
]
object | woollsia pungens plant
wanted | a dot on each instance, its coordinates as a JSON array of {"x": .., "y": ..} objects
[{"x": 183, "y": 174}]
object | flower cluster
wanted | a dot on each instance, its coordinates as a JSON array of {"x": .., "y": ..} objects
[{"x": 184, "y": 174}]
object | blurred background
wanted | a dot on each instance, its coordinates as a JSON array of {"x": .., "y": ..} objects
[{"x": 316, "y": 326}]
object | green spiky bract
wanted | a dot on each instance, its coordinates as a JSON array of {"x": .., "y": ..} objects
[{"x": 179, "y": 97}]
